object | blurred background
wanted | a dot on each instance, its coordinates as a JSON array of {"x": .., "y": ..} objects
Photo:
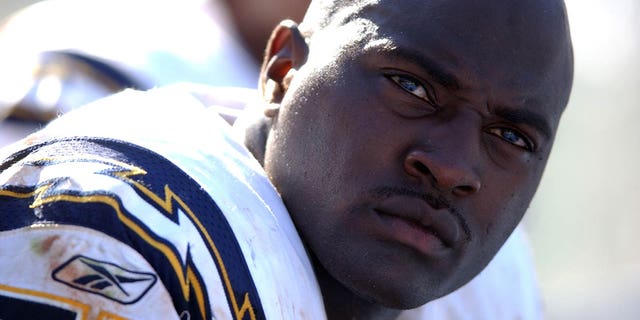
[{"x": 583, "y": 222}]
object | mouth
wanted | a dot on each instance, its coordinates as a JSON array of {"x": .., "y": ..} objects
[{"x": 415, "y": 224}]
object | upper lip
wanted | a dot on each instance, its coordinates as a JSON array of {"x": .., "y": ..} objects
[{"x": 442, "y": 222}]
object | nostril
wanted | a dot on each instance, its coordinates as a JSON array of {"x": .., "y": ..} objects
[
  {"x": 415, "y": 164},
  {"x": 420, "y": 167},
  {"x": 464, "y": 190}
]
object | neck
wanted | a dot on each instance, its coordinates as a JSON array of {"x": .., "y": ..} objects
[{"x": 342, "y": 304}]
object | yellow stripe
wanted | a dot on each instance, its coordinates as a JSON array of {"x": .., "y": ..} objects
[
  {"x": 197, "y": 288},
  {"x": 16, "y": 194},
  {"x": 246, "y": 305},
  {"x": 167, "y": 205},
  {"x": 104, "y": 315}
]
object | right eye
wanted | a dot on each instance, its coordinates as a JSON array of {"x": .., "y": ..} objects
[{"x": 412, "y": 86}]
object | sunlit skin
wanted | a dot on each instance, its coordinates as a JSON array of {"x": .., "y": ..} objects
[{"x": 408, "y": 138}]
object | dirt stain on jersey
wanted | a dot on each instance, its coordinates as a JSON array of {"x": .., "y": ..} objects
[{"x": 42, "y": 246}]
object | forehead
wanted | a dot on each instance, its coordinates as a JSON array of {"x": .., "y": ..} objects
[{"x": 510, "y": 49}]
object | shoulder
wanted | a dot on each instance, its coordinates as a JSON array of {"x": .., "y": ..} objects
[
  {"x": 196, "y": 215},
  {"x": 83, "y": 202}
]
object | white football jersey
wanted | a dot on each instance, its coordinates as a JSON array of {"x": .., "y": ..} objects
[{"x": 133, "y": 208}]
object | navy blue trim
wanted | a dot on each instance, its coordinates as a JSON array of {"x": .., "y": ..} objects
[
  {"x": 16, "y": 308},
  {"x": 114, "y": 74}
]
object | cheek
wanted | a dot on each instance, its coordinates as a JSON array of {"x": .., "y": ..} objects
[
  {"x": 307, "y": 155},
  {"x": 507, "y": 198}
]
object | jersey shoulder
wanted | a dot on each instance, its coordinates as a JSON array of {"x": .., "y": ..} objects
[{"x": 114, "y": 223}]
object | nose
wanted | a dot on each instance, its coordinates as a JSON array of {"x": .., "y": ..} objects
[{"x": 449, "y": 172}]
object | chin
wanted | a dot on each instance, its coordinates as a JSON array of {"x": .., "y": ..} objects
[
  {"x": 406, "y": 300},
  {"x": 401, "y": 295}
]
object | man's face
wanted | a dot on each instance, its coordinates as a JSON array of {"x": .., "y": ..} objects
[{"x": 410, "y": 144}]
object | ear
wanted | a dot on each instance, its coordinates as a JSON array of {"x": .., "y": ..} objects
[{"x": 286, "y": 51}]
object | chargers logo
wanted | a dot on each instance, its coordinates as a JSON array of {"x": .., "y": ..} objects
[
  {"x": 140, "y": 198},
  {"x": 106, "y": 279}
]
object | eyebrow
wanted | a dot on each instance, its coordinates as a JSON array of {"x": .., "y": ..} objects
[
  {"x": 526, "y": 117},
  {"x": 434, "y": 69}
]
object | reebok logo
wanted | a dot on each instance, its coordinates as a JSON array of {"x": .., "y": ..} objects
[{"x": 106, "y": 279}]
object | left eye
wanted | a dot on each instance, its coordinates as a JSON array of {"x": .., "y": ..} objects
[
  {"x": 512, "y": 136},
  {"x": 412, "y": 86}
]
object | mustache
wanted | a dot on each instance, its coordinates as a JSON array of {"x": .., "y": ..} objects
[{"x": 435, "y": 200}]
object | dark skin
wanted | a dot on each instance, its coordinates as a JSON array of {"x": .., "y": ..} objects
[{"x": 407, "y": 143}]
